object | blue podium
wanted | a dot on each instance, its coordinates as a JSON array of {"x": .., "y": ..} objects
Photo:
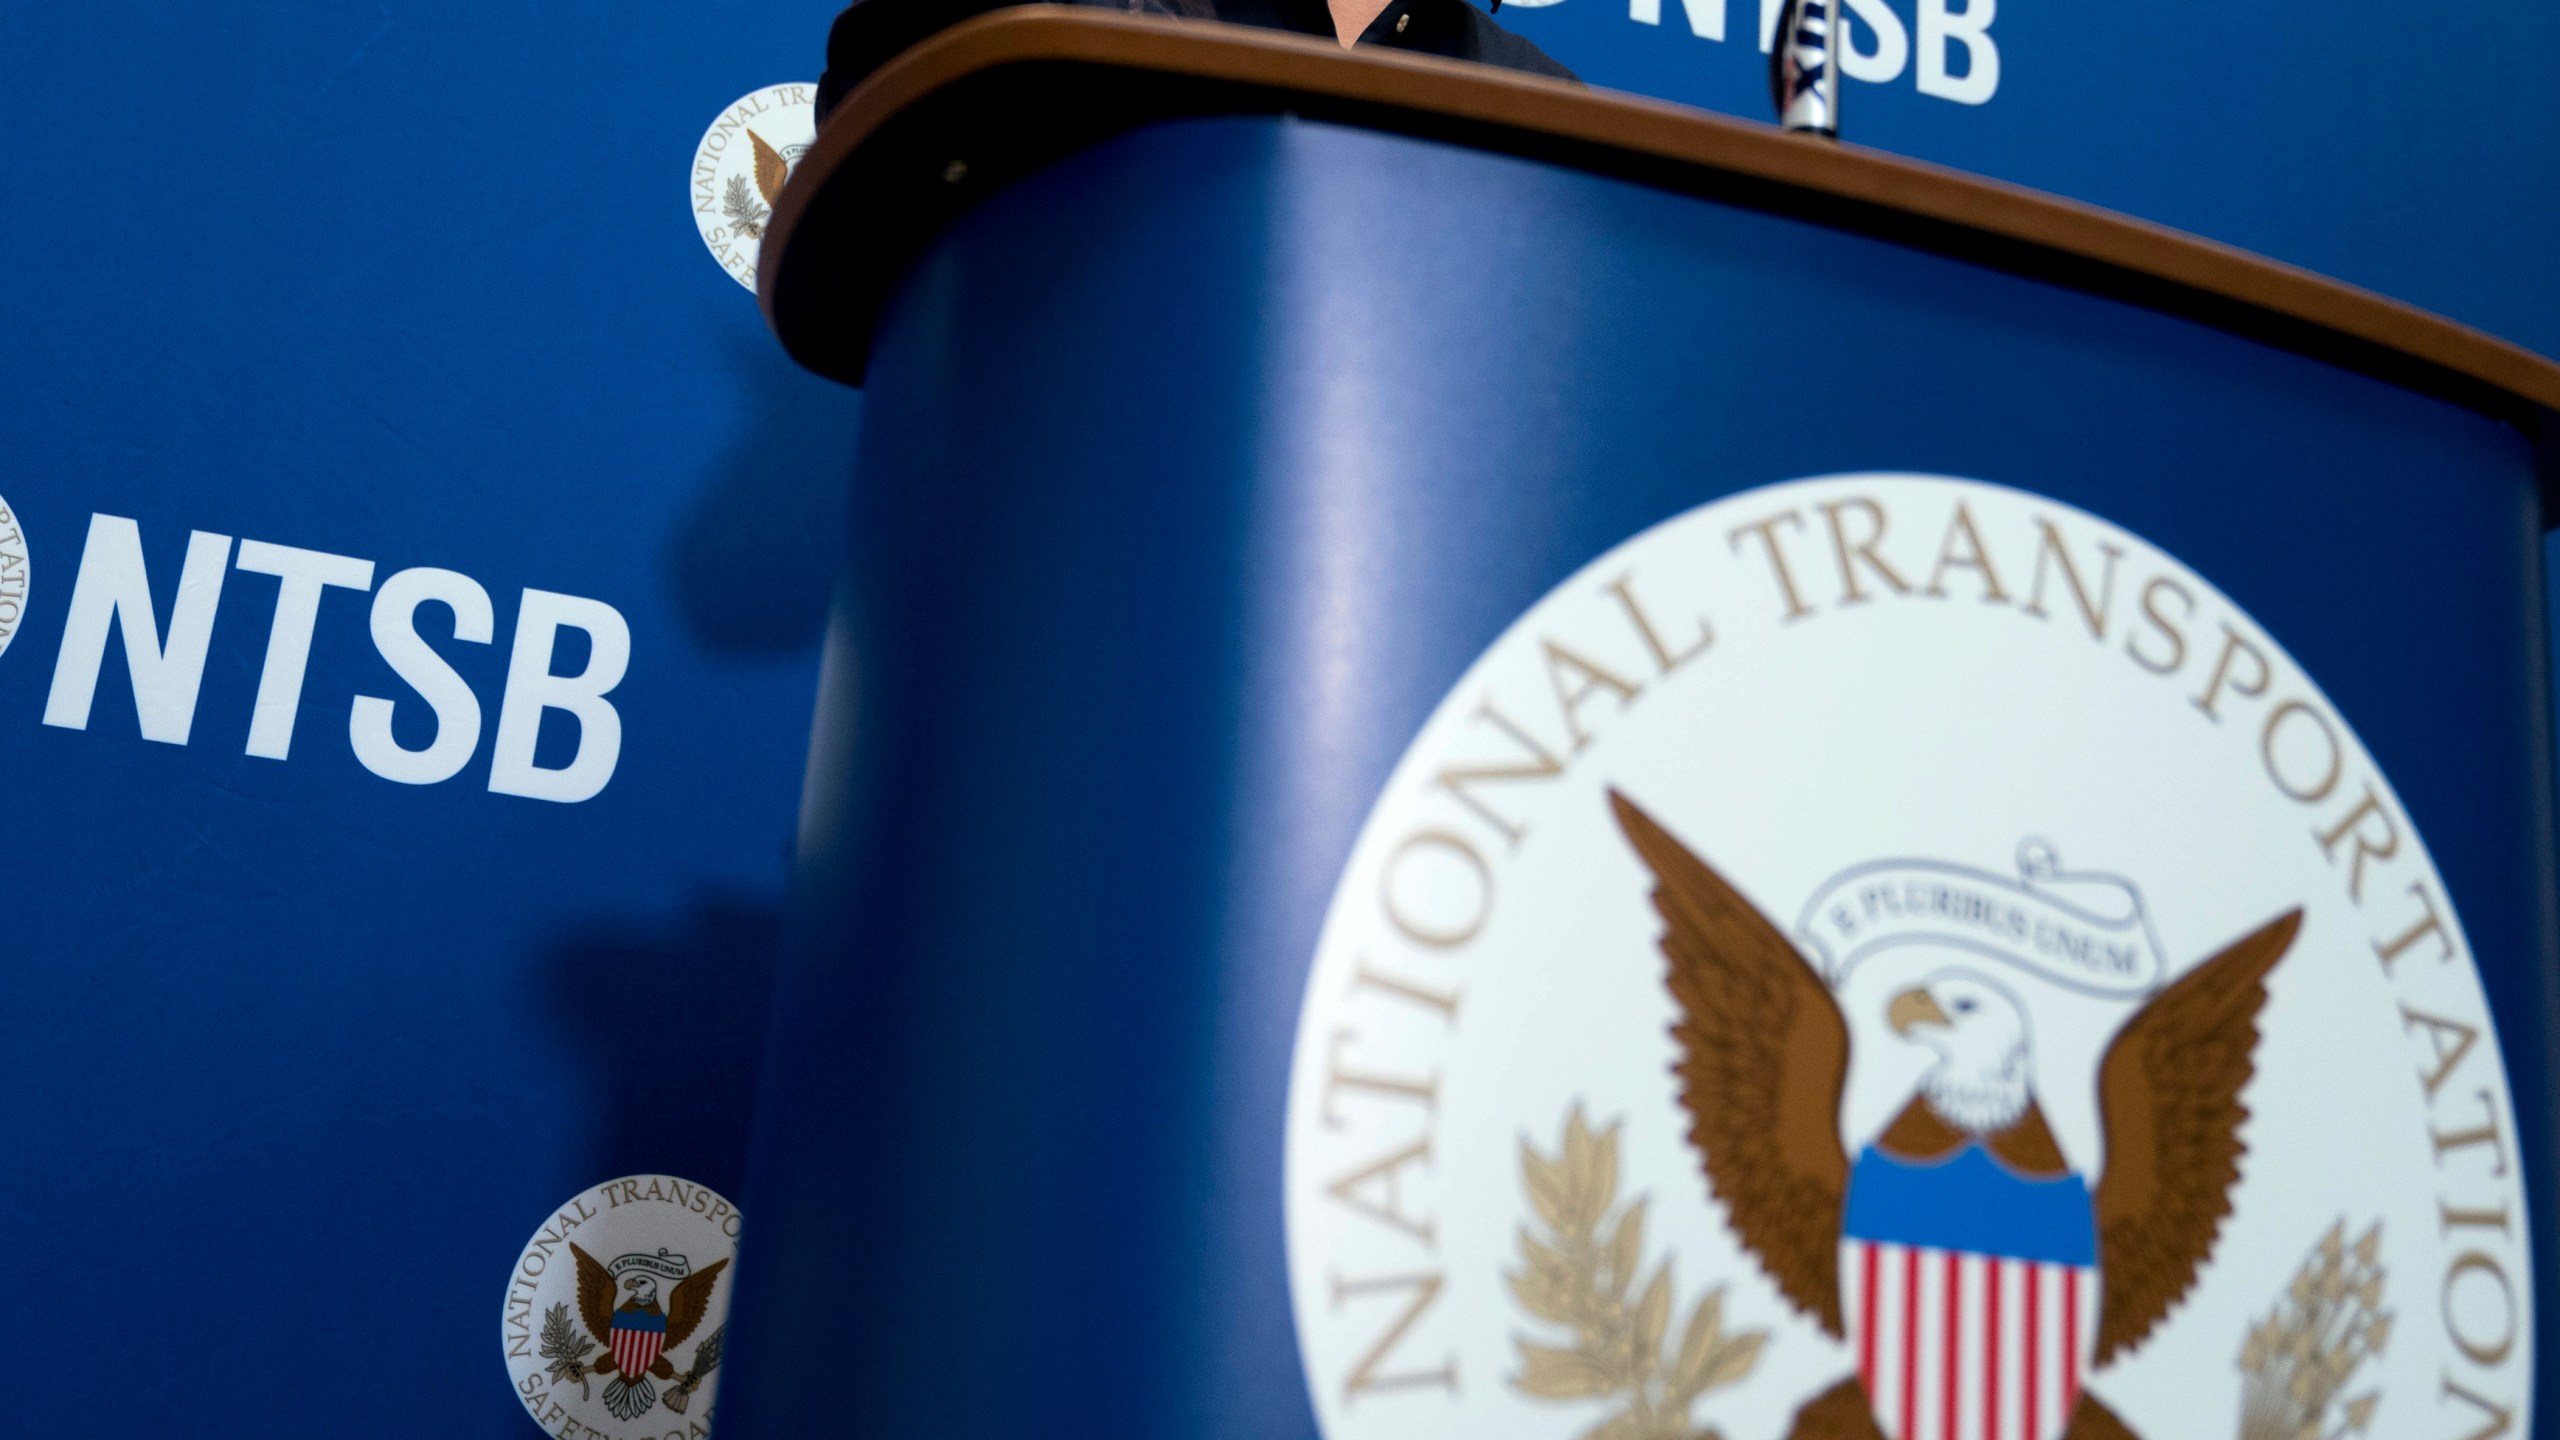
[{"x": 1463, "y": 705}]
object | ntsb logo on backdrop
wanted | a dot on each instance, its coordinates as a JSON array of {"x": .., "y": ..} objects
[
  {"x": 1893, "y": 956},
  {"x": 1947, "y": 50},
  {"x": 111, "y": 600}
]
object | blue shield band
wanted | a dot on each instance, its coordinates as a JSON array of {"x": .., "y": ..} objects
[{"x": 1973, "y": 1203}]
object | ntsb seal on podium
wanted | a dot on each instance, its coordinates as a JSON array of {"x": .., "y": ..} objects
[
  {"x": 617, "y": 1311},
  {"x": 1894, "y": 956}
]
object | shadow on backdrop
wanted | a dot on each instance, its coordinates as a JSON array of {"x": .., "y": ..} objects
[
  {"x": 670, "y": 1026},
  {"x": 752, "y": 564}
]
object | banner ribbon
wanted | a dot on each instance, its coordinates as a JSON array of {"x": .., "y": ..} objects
[{"x": 2085, "y": 930}]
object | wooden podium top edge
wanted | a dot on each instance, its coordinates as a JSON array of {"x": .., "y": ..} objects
[{"x": 824, "y": 318}]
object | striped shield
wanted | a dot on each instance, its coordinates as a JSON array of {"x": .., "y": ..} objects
[
  {"x": 1955, "y": 1345},
  {"x": 1972, "y": 1303},
  {"x": 638, "y": 1336}
]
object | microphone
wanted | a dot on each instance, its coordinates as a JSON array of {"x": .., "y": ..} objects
[{"x": 1804, "y": 67}]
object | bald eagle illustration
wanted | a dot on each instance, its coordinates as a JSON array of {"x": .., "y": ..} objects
[
  {"x": 637, "y": 1330},
  {"x": 1976, "y": 1278}
]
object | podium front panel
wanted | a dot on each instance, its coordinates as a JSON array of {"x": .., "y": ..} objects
[{"x": 1200, "y": 472}]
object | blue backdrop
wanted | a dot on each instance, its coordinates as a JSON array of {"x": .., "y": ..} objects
[
  {"x": 2411, "y": 148},
  {"x": 293, "y": 1057}
]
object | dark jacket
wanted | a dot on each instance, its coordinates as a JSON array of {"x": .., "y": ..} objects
[{"x": 870, "y": 32}]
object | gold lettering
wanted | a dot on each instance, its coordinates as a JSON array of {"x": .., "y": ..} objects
[
  {"x": 2309, "y": 794},
  {"x": 2486, "y": 1133},
  {"x": 2092, "y": 615},
  {"x": 1663, "y": 659},
  {"x": 2448, "y": 1056},
  {"x": 1386, "y": 1175},
  {"x": 2232, "y": 648},
  {"x": 2177, "y": 638},
  {"x": 2370, "y": 807},
  {"x": 1446, "y": 937},
  {"x": 2429, "y": 922},
  {"x": 1850, "y": 552},
  {"x": 1974, "y": 558},
  {"x": 1338, "y": 1078},
  {"x": 2502, "y": 1418},
  {"x": 1443, "y": 1001},
  {"x": 1767, "y": 530},
  {"x": 2486, "y": 1355},
  {"x": 2475, "y": 1219},
  {"x": 1542, "y": 764},
  {"x": 1571, "y": 697},
  {"x": 1366, "y": 1376}
]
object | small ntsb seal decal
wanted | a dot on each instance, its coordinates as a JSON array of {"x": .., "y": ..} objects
[
  {"x": 14, "y": 570},
  {"x": 1894, "y": 956},
  {"x": 617, "y": 1312},
  {"x": 739, "y": 167}
]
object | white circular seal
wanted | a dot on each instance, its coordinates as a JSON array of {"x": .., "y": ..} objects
[
  {"x": 1895, "y": 956},
  {"x": 618, "y": 1309},
  {"x": 739, "y": 167},
  {"x": 14, "y": 571}
]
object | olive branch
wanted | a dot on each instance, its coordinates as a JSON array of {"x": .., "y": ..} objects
[
  {"x": 1580, "y": 1275},
  {"x": 566, "y": 1348},
  {"x": 2298, "y": 1360},
  {"x": 743, "y": 209},
  {"x": 706, "y": 1358}
]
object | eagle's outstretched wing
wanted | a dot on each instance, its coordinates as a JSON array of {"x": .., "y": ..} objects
[
  {"x": 595, "y": 1293},
  {"x": 771, "y": 171},
  {"x": 2169, "y": 1094},
  {"x": 690, "y": 1301},
  {"x": 1764, "y": 1055}
]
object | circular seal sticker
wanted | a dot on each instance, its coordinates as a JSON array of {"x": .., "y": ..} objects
[
  {"x": 618, "y": 1309},
  {"x": 739, "y": 167},
  {"x": 13, "y": 574},
  {"x": 1893, "y": 956}
]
